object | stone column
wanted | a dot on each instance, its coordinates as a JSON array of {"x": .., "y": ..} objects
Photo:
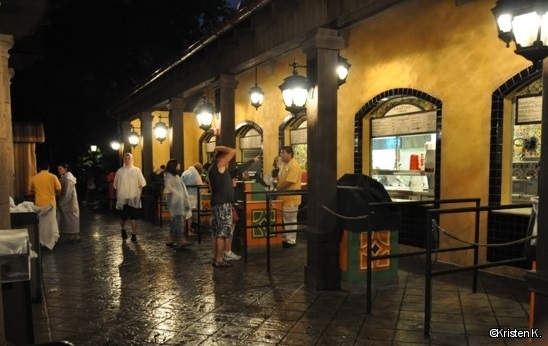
[
  {"x": 322, "y": 268},
  {"x": 6, "y": 150},
  {"x": 226, "y": 101},
  {"x": 538, "y": 279},
  {"x": 146, "y": 133},
  {"x": 176, "y": 110}
]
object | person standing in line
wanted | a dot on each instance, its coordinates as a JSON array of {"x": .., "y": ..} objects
[
  {"x": 276, "y": 165},
  {"x": 45, "y": 186},
  {"x": 129, "y": 182},
  {"x": 289, "y": 178},
  {"x": 178, "y": 203},
  {"x": 192, "y": 177},
  {"x": 229, "y": 255},
  {"x": 69, "y": 211},
  {"x": 222, "y": 197}
]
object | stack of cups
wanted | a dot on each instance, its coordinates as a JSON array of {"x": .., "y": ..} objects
[{"x": 414, "y": 162}]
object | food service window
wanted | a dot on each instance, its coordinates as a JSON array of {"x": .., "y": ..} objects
[
  {"x": 298, "y": 140},
  {"x": 525, "y": 142},
  {"x": 403, "y": 151},
  {"x": 250, "y": 145}
]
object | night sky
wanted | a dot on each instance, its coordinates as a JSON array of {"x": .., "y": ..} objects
[{"x": 95, "y": 52}]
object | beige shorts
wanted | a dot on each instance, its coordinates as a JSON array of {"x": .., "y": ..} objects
[{"x": 193, "y": 201}]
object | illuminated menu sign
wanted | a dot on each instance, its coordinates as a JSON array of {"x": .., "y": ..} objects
[
  {"x": 423, "y": 122},
  {"x": 528, "y": 109}
]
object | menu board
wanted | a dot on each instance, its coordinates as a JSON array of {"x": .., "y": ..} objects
[
  {"x": 528, "y": 109},
  {"x": 250, "y": 142},
  {"x": 423, "y": 122},
  {"x": 299, "y": 136}
]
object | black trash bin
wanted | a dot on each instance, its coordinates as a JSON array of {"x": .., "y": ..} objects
[{"x": 355, "y": 193}]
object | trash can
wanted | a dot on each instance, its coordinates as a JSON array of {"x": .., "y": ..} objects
[
  {"x": 355, "y": 192},
  {"x": 30, "y": 221},
  {"x": 15, "y": 255}
]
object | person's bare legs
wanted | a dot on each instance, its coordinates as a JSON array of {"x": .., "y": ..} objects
[
  {"x": 214, "y": 247},
  {"x": 220, "y": 244},
  {"x": 133, "y": 226}
]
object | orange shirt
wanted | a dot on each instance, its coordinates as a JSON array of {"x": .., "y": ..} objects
[
  {"x": 292, "y": 173},
  {"x": 45, "y": 187}
]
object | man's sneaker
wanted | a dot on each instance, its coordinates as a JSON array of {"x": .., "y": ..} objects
[
  {"x": 231, "y": 256},
  {"x": 133, "y": 237},
  {"x": 124, "y": 234}
]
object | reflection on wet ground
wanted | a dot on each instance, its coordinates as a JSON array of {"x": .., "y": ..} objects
[{"x": 105, "y": 291}]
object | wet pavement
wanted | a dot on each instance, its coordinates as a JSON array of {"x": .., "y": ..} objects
[{"x": 102, "y": 290}]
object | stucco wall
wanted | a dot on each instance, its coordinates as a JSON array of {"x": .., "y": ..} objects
[{"x": 450, "y": 52}]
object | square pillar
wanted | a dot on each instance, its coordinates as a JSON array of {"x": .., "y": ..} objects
[{"x": 322, "y": 269}]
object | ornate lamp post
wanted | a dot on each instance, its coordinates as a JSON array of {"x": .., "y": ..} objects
[
  {"x": 526, "y": 23},
  {"x": 295, "y": 91},
  {"x": 133, "y": 138},
  {"x": 342, "y": 69},
  {"x": 204, "y": 114},
  {"x": 160, "y": 130},
  {"x": 256, "y": 94}
]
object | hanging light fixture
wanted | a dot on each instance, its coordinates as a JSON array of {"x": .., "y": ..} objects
[
  {"x": 342, "y": 69},
  {"x": 160, "y": 130},
  {"x": 115, "y": 145},
  {"x": 256, "y": 94},
  {"x": 204, "y": 114},
  {"x": 133, "y": 137},
  {"x": 525, "y": 23},
  {"x": 295, "y": 91}
]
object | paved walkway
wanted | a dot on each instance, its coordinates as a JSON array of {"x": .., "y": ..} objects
[{"x": 105, "y": 291}]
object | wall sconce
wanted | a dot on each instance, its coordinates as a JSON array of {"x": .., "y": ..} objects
[
  {"x": 160, "y": 130},
  {"x": 256, "y": 94},
  {"x": 133, "y": 137},
  {"x": 115, "y": 145},
  {"x": 204, "y": 114},
  {"x": 295, "y": 91},
  {"x": 342, "y": 69},
  {"x": 526, "y": 23}
]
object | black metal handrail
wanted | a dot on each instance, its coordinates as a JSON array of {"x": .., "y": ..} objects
[
  {"x": 429, "y": 273},
  {"x": 270, "y": 196},
  {"x": 371, "y": 257}
]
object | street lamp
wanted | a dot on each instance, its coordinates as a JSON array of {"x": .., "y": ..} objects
[
  {"x": 204, "y": 114},
  {"x": 133, "y": 138},
  {"x": 526, "y": 23},
  {"x": 295, "y": 91},
  {"x": 115, "y": 145},
  {"x": 160, "y": 130},
  {"x": 256, "y": 94},
  {"x": 342, "y": 69}
]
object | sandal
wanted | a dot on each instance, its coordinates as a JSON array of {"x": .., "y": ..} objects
[{"x": 223, "y": 264}]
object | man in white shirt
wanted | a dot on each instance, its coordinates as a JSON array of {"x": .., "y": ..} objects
[{"x": 129, "y": 182}]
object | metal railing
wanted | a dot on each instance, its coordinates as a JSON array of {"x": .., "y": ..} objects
[{"x": 270, "y": 196}]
